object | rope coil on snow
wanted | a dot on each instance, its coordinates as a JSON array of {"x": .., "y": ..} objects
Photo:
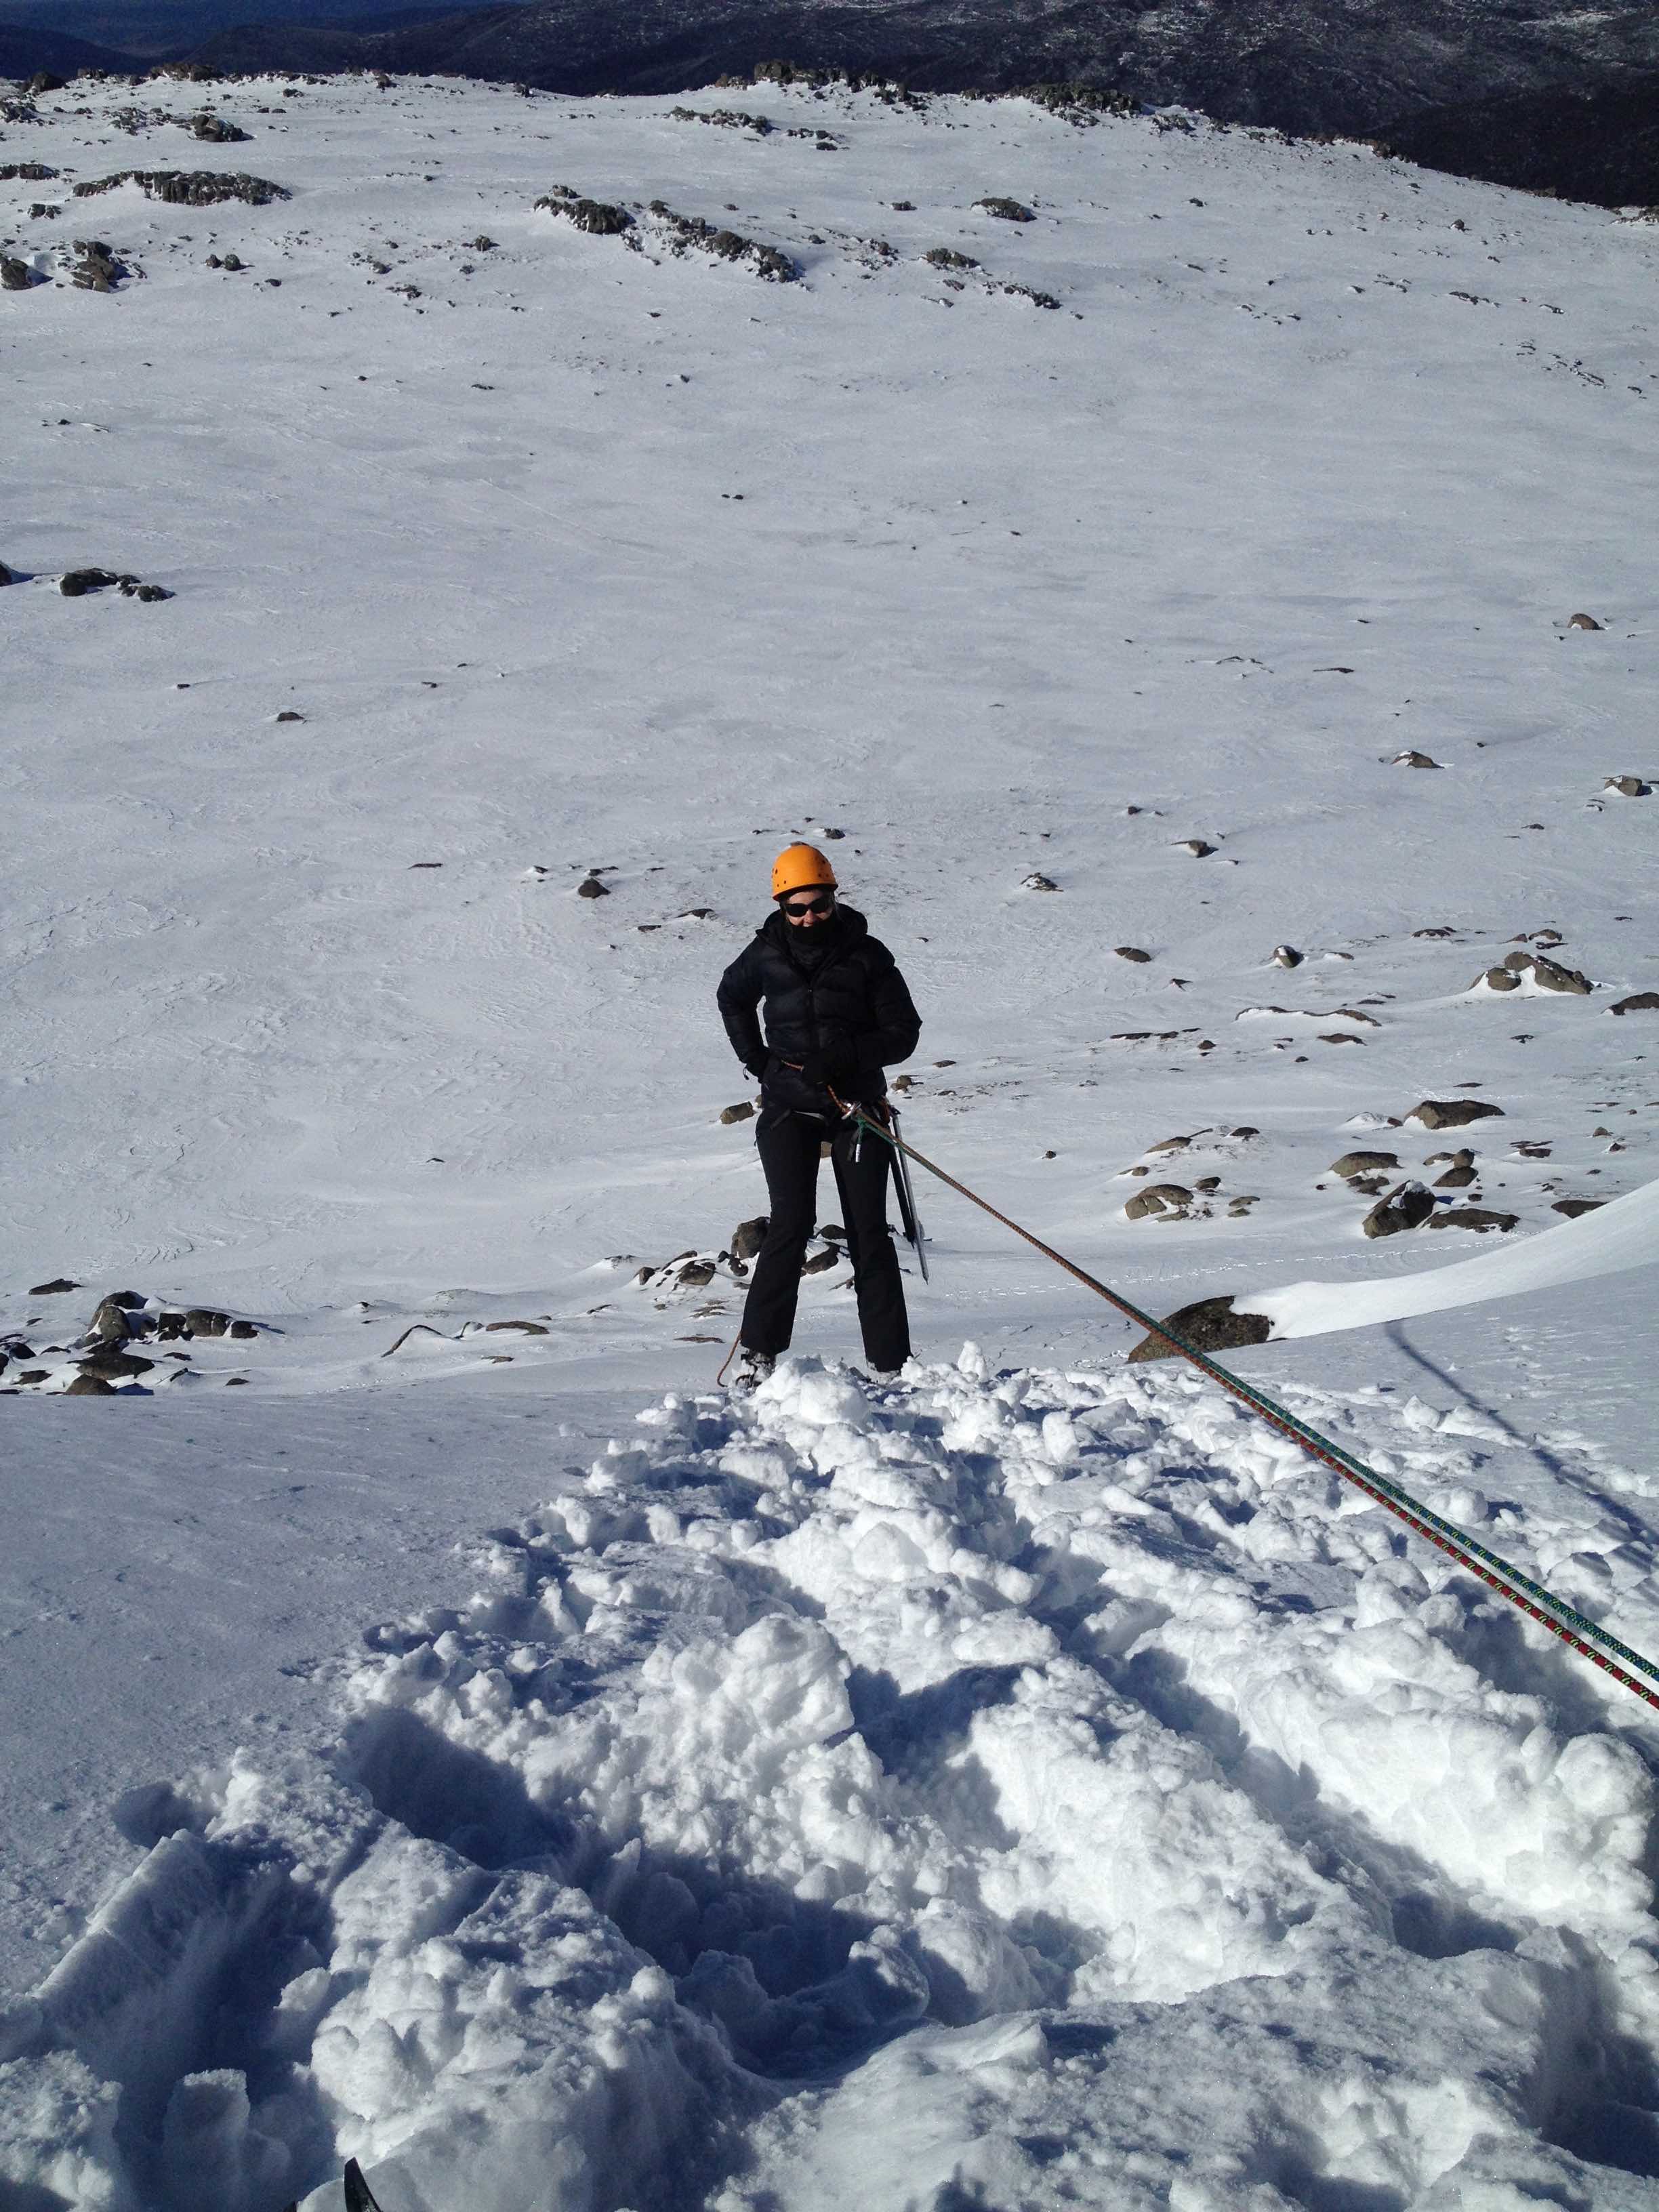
[{"x": 1574, "y": 1629}]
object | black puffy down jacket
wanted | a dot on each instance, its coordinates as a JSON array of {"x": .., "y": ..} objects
[{"x": 835, "y": 992}]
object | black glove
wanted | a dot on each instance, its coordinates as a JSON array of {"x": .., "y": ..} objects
[{"x": 836, "y": 1068}]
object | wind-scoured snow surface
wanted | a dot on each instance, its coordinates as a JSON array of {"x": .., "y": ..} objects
[{"x": 1032, "y": 1783}]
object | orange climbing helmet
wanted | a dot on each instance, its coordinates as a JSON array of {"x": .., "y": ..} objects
[{"x": 798, "y": 868}]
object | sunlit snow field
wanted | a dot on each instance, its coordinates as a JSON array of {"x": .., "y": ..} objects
[{"x": 1027, "y": 1785}]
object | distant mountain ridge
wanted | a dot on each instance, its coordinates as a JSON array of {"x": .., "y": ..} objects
[
  {"x": 1515, "y": 91},
  {"x": 1350, "y": 66}
]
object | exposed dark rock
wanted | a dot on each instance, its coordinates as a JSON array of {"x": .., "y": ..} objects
[
  {"x": 27, "y": 173},
  {"x": 522, "y": 1327},
  {"x": 1414, "y": 759},
  {"x": 1472, "y": 1216},
  {"x": 290, "y": 714},
  {"x": 695, "y": 1274},
  {"x": 743, "y": 1111},
  {"x": 1456, "y": 1179},
  {"x": 1170, "y": 1199},
  {"x": 599, "y": 217},
  {"x": 115, "y": 1366},
  {"x": 1197, "y": 846},
  {"x": 1286, "y": 956},
  {"x": 592, "y": 888},
  {"x": 1131, "y": 952},
  {"x": 85, "y": 1386},
  {"x": 77, "y": 582},
  {"x": 54, "y": 1289},
  {"x": 214, "y": 131},
  {"x": 1644, "y": 1002},
  {"x": 206, "y": 1321},
  {"x": 1453, "y": 1113},
  {"x": 242, "y": 1330},
  {"x": 728, "y": 119},
  {"x": 946, "y": 257},
  {"x": 190, "y": 187},
  {"x": 1208, "y": 1325},
  {"x": 1548, "y": 974},
  {"x": 1628, "y": 786},
  {"x": 1040, "y": 883},
  {"x": 1572, "y": 1207},
  {"x": 1005, "y": 211},
  {"x": 43, "y": 81},
  {"x": 1407, "y": 1208},
  {"x": 748, "y": 1236},
  {"x": 98, "y": 269},
  {"x": 1583, "y": 622},
  {"x": 685, "y": 232},
  {"x": 1497, "y": 979},
  {"x": 15, "y": 275},
  {"x": 820, "y": 1262},
  {"x": 1364, "y": 1164}
]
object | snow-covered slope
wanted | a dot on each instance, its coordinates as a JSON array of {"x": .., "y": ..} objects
[{"x": 940, "y": 1767}]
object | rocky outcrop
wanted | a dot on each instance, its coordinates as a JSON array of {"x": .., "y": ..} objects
[{"x": 1452, "y": 1113}]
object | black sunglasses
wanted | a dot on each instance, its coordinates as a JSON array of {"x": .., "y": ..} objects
[{"x": 823, "y": 904}]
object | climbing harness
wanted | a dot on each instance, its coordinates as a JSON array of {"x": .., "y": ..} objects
[{"x": 1574, "y": 1629}]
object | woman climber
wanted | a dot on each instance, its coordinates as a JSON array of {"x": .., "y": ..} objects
[{"x": 837, "y": 1012}]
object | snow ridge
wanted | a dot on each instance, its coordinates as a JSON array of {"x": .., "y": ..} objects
[{"x": 1047, "y": 1785}]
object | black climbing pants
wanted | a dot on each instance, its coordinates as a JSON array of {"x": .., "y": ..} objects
[{"x": 788, "y": 1147}]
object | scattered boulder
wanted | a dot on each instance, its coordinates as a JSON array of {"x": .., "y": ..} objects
[
  {"x": 946, "y": 257},
  {"x": 1171, "y": 1198},
  {"x": 743, "y": 1111},
  {"x": 290, "y": 714},
  {"x": 1414, "y": 759},
  {"x": 1548, "y": 974},
  {"x": 1572, "y": 1207},
  {"x": 214, "y": 131},
  {"x": 15, "y": 275},
  {"x": 54, "y": 1289},
  {"x": 1644, "y": 1002},
  {"x": 1473, "y": 1217},
  {"x": 1628, "y": 786},
  {"x": 1131, "y": 952},
  {"x": 1208, "y": 1325},
  {"x": 1407, "y": 1208},
  {"x": 523, "y": 1327},
  {"x": 84, "y": 1386},
  {"x": 819, "y": 1263},
  {"x": 1453, "y": 1113},
  {"x": 27, "y": 173},
  {"x": 1286, "y": 956},
  {"x": 206, "y": 1321},
  {"x": 748, "y": 1236},
  {"x": 694, "y": 1274},
  {"x": 44, "y": 80},
  {"x": 1497, "y": 979},
  {"x": 1005, "y": 211},
  {"x": 1364, "y": 1164},
  {"x": 1458, "y": 1178},
  {"x": 1196, "y": 846},
  {"x": 1583, "y": 622},
  {"x": 1039, "y": 883},
  {"x": 592, "y": 888}
]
